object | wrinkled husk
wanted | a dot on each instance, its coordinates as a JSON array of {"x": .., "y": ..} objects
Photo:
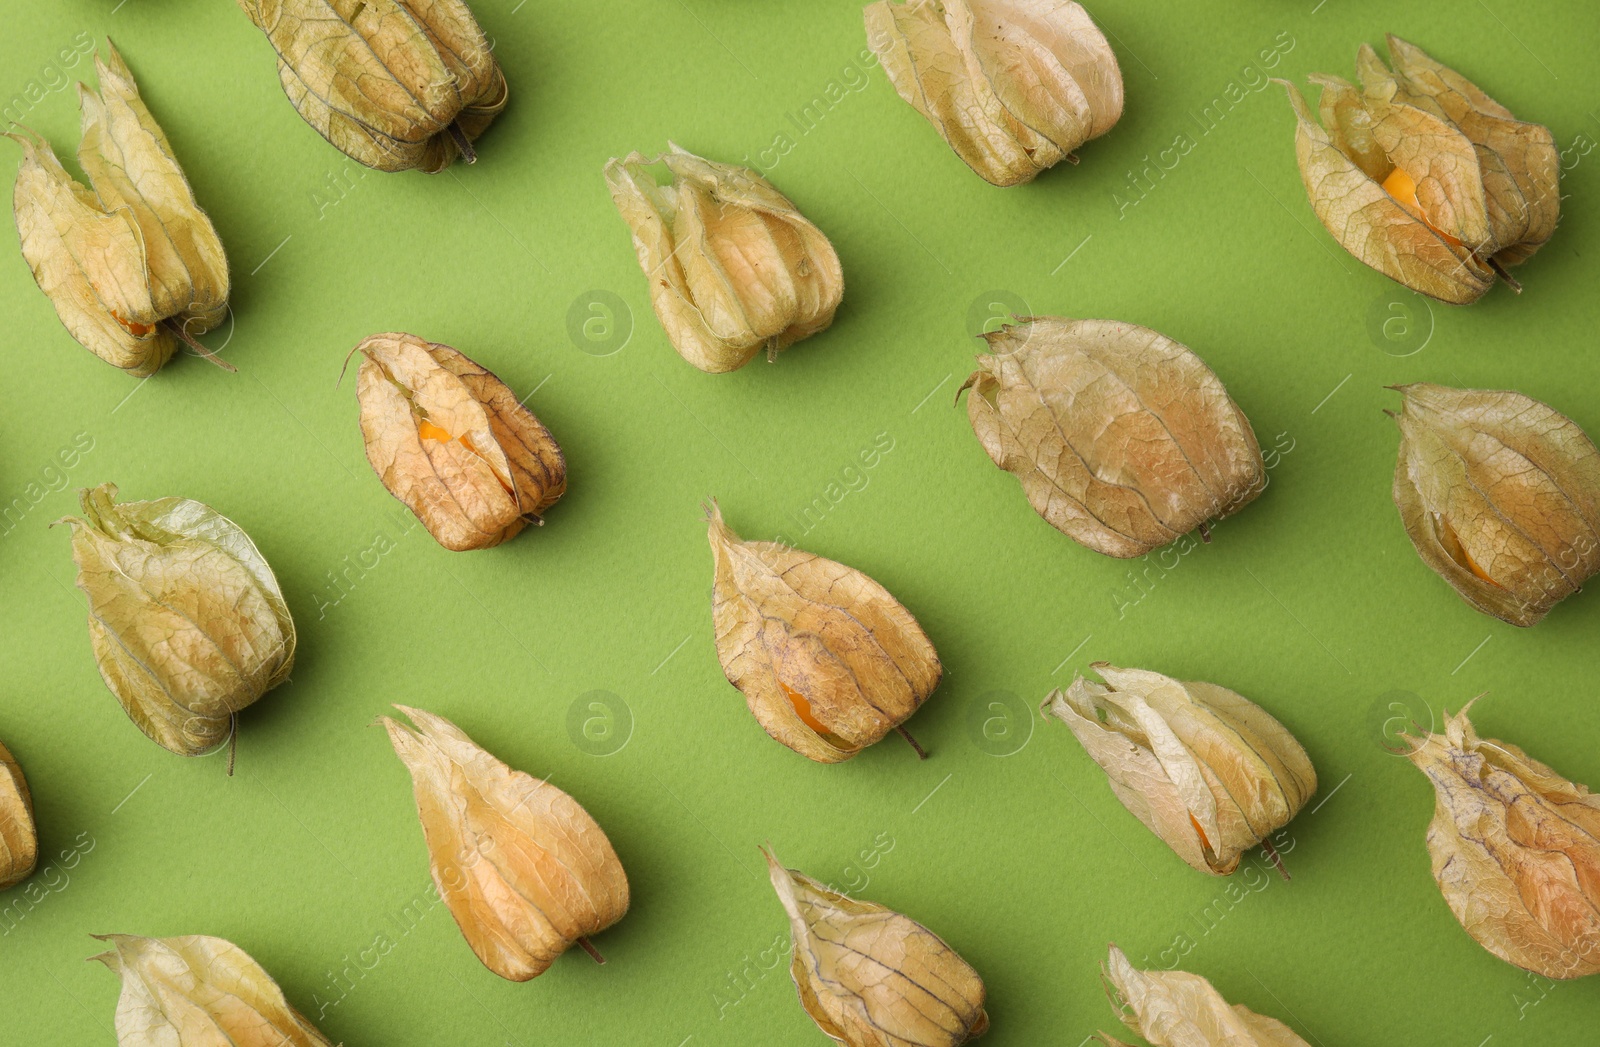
[
  {"x": 1500, "y": 494},
  {"x": 135, "y": 258},
  {"x": 1486, "y": 185},
  {"x": 197, "y": 991},
  {"x": 1208, "y": 771},
  {"x": 383, "y": 80},
  {"x": 1178, "y": 1009},
  {"x": 828, "y": 661},
  {"x": 733, "y": 267},
  {"x": 186, "y": 619},
  {"x": 870, "y": 977},
  {"x": 1014, "y": 86},
  {"x": 1515, "y": 849},
  {"x": 19, "y": 837},
  {"x": 1122, "y": 438},
  {"x": 451, "y": 441},
  {"x": 523, "y": 868}
]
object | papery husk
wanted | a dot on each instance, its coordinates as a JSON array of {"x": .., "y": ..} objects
[
  {"x": 384, "y": 80},
  {"x": 523, "y": 868},
  {"x": 798, "y": 632},
  {"x": 19, "y": 836},
  {"x": 1500, "y": 495},
  {"x": 870, "y": 977},
  {"x": 1178, "y": 1009},
  {"x": 133, "y": 265},
  {"x": 1207, "y": 770},
  {"x": 186, "y": 618},
  {"x": 733, "y": 266},
  {"x": 1515, "y": 849},
  {"x": 1487, "y": 184},
  {"x": 487, "y": 468},
  {"x": 1014, "y": 86},
  {"x": 197, "y": 991},
  {"x": 1123, "y": 439}
]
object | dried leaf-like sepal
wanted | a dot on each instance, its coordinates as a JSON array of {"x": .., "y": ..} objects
[
  {"x": 133, "y": 266},
  {"x": 870, "y": 977},
  {"x": 524, "y": 869},
  {"x": 1515, "y": 849},
  {"x": 1208, "y": 771},
  {"x": 19, "y": 838},
  {"x": 393, "y": 84},
  {"x": 1500, "y": 494},
  {"x": 1014, "y": 86},
  {"x": 197, "y": 991},
  {"x": 1123, "y": 439},
  {"x": 733, "y": 266},
  {"x": 1178, "y": 1009},
  {"x": 828, "y": 661},
  {"x": 451, "y": 441},
  {"x": 186, "y": 619},
  {"x": 1425, "y": 178}
]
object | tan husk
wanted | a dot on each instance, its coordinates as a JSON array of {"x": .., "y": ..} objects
[
  {"x": 197, "y": 991},
  {"x": 870, "y": 977},
  {"x": 133, "y": 265},
  {"x": 1178, "y": 1009},
  {"x": 1515, "y": 849},
  {"x": 1123, "y": 439},
  {"x": 1500, "y": 494},
  {"x": 385, "y": 81},
  {"x": 186, "y": 619},
  {"x": 523, "y": 868},
  {"x": 19, "y": 837},
  {"x": 1478, "y": 190},
  {"x": 1208, "y": 771},
  {"x": 733, "y": 266},
  {"x": 1014, "y": 86},
  {"x": 451, "y": 441},
  {"x": 828, "y": 661}
]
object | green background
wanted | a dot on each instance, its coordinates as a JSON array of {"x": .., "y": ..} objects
[{"x": 1311, "y": 602}]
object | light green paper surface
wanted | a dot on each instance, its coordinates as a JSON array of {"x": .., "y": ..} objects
[{"x": 1310, "y": 602}]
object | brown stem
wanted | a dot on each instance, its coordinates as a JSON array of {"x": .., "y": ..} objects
[
  {"x": 1510, "y": 280},
  {"x": 180, "y": 332},
  {"x": 233, "y": 741},
  {"x": 922, "y": 754},
  {"x": 587, "y": 946},
  {"x": 1277, "y": 861},
  {"x": 1205, "y": 532},
  {"x": 1071, "y": 158},
  {"x": 459, "y": 137}
]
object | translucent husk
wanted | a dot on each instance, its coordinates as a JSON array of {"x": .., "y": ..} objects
[
  {"x": 1178, "y": 1009},
  {"x": 452, "y": 441},
  {"x": 828, "y": 661},
  {"x": 733, "y": 266},
  {"x": 19, "y": 837},
  {"x": 1208, "y": 771},
  {"x": 870, "y": 977},
  {"x": 1014, "y": 86}
]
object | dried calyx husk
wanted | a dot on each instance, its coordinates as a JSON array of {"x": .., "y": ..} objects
[
  {"x": 1425, "y": 178},
  {"x": 870, "y": 977},
  {"x": 828, "y": 661},
  {"x": 134, "y": 266},
  {"x": 1123, "y": 439},
  {"x": 733, "y": 266},
  {"x": 524, "y": 869},
  {"x": 453, "y": 442},
  {"x": 393, "y": 84},
  {"x": 1179, "y": 1009},
  {"x": 1207, "y": 770},
  {"x": 197, "y": 991},
  {"x": 1515, "y": 849},
  {"x": 1500, "y": 494},
  {"x": 186, "y": 619},
  {"x": 19, "y": 837},
  {"x": 1014, "y": 86}
]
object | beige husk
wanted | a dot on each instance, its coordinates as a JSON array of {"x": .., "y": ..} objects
[
  {"x": 1178, "y": 1009},
  {"x": 19, "y": 837}
]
